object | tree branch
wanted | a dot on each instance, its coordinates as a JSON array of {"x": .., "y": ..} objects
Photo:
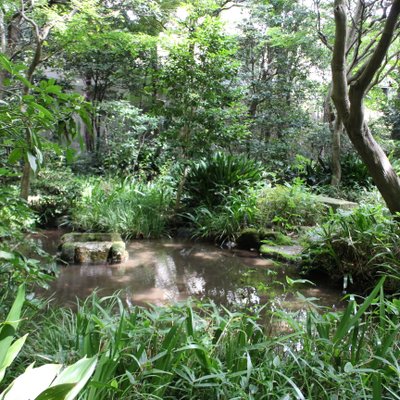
[
  {"x": 375, "y": 61},
  {"x": 339, "y": 70}
]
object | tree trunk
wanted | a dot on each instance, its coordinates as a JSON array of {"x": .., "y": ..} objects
[
  {"x": 26, "y": 174},
  {"x": 88, "y": 97},
  {"x": 336, "y": 167},
  {"x": 349, "y": 102},
  {"x": 25, "y": 180},
  {"x": 3, "y": 48}
]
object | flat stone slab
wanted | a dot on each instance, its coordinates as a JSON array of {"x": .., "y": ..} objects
[
  {"x": 282, "y": 253},
  {"x": 336, "y": 203},
  {"x": 93, "y": 248}
]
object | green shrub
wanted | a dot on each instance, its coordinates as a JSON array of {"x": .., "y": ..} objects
[
  {"x": 361, "y": 243},
  {"x": 16, "y": 218},
  {"x": 289, "y": 206},
  {"x": 54, "y": 191},
  {"x": 133, "y": 209},
  {"x": 19, "y": 255},
  {"x": 224, "y": 221},
  {"x": 209, "y": 181}
]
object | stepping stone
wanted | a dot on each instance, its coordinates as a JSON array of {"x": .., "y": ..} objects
[
  {"x": 336, "y": 203},
  {"x": 93, "y": 248}
]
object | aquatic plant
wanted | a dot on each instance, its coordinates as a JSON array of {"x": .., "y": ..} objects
[{"x": 226, "y": 220}]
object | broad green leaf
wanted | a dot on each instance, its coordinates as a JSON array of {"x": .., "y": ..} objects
[
  {"x": 31, "y": 383},
  {"x": 5, "y": 255},
  {"x": 13, "y": 351},
  {"x": 78, "y": 373},
  {"x": 15, "y": 155},
  {"x": 7, "y": 331},
  {"x": 32, "y": 161},
  {"x": 6, "y": 64},
  {"x": 59, "y": 392}
]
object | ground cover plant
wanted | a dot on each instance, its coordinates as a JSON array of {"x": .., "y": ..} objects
[{"x": 362, "y": 244}]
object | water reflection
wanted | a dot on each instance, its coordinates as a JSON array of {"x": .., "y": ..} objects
[{"x": 169, "y": 271}]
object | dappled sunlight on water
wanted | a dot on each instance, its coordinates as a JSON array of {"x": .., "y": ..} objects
[{"x": 168, "y": 271}]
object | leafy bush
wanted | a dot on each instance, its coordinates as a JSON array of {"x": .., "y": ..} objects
[
  {"x": 17, "y": 264},
  {"x": 225, "y": 221},
  {"x": 177, "y": 352},
  {"x": 311, "y": 172},
  {"x": 360, "y": 243},
  {"x": 209, "y": 181},
  {"x": 16, "y": 218},
  {"x": 354, "y": 172},
  {"x": 53, "y": 193},
  {"x": 134, "y": 209},
  {"x": 130, "y": 144},
  {"x": 289, "y": 206}
]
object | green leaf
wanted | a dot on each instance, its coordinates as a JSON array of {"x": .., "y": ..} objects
[
  {"x": 5, "y": 255},
  {"x": 32, "y": 161},
  {"x": 31, "y": 383},
  {"x": 8, "y": 330},
  {"x": 6, "y": 64},
  {"x": 12, "y": 352},
  {"x": 15, "y": 155},
  {"x": 59, "y": 392},
  {"x": 80, "y": 373}
]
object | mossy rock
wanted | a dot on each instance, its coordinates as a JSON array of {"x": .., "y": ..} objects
[
  {"x": 93, "y": 248},
  {"x": 268, "y": 234},
  {"x": 68, "y": 252},
  {"x": 282, "y": 253},
  {"x": 279, "y": 239},
  {"x": 90, "y": 237},
  {"x": 248, "y": 239},
  {"x": 118, "y": 253},
  {"x": 336, "y": 204}
]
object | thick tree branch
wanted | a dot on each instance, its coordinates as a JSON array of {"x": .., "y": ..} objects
[{"x": 339, "y": 70}]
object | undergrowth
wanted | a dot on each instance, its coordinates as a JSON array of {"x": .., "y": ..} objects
[
  {"x": 133, "y": 209},
  {"x": 204, "y": 352}
]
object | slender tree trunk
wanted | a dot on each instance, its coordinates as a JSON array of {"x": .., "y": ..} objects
[
  {"x": 336, "y": 147},
  {"x": 3, "y": 49},
  {"x": 25, "y": 180},
  {"x": 26, "y": 173},
  {"x": 88, "y": 97},
  {"x": 336, "y": 129}
]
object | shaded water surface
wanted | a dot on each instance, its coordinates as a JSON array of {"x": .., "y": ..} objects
[{"x": 168, "y": 271}]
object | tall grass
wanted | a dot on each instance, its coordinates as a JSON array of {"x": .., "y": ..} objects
[
  {"x": 134, "y": 209},
  {"x": 204, "y": 352}
]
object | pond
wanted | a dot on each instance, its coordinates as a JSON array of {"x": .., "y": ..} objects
[{"x": 167, "y": 271}]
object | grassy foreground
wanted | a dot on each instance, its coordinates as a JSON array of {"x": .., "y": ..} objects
[{"x": 204, "y": 352}]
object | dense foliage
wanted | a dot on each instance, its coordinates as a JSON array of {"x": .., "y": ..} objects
[{"x": 212, "y": 119}]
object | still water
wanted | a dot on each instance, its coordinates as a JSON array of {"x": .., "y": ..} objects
[{"x": 167, "y": 271}]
